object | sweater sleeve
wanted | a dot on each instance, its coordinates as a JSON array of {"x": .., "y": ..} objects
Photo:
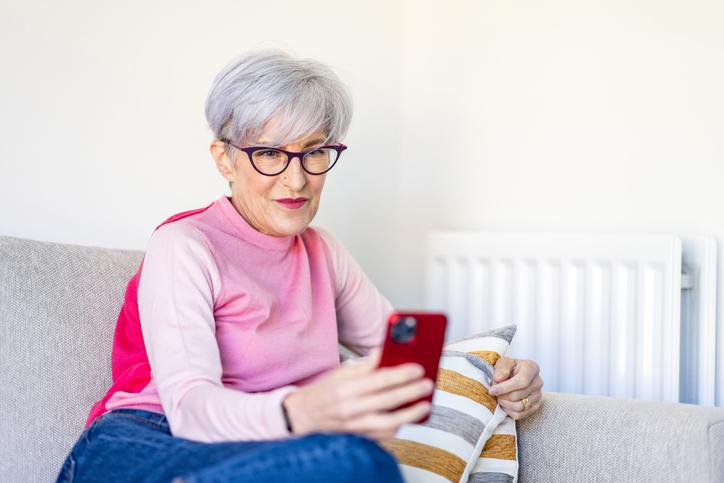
[
  {"x": 362, "y": 311},
  {"x": 179, "y": 283}
]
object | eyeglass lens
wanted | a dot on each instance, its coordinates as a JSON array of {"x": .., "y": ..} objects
[{"x": 271, "y": 161}]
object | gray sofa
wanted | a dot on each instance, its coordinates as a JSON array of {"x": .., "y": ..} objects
[{"x": 58, "y": 307}]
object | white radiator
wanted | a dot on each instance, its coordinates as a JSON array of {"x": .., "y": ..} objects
[{"x": 601, "y": 314}]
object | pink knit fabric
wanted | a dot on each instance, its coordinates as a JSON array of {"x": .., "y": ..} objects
[{"x": 232, "y": 320}]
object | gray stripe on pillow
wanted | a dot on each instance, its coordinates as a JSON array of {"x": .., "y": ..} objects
[
  {"x": 505, "y": 333},
  {"x": 456, "y": 422},
  {"x": 489, "y": 477},
  {"x": 476, "y": 361}
]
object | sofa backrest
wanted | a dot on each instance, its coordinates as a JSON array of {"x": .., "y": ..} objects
[{"x": 58, "y": 309}]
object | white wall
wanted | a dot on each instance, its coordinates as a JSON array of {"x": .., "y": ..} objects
[
  {"x": 501, "y": 116},
  {"x": 102, "y": 127},
  {"x": 561, "y": 116}
]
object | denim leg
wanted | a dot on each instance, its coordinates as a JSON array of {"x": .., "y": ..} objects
[
  {"x": 136, "y": 446},
  {"x": 315, "y": 458}
]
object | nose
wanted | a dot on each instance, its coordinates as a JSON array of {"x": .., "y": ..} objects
[{"x": 294, "y": 177}]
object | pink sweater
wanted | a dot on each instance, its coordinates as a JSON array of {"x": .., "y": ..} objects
[{"x": 222, "y": 322}]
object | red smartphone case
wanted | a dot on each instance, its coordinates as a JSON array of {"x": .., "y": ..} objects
[{"x": 424, "y": 348}]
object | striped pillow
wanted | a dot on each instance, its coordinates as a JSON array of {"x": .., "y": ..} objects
[
  {"x": 468, "y": 437},
  {"x": 499, "y": 460}
]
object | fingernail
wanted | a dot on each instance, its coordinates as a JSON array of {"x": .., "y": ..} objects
[{"x": 493, "y": 391}]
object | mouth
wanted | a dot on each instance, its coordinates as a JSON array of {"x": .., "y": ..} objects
[{"x": 292, "y": 203}]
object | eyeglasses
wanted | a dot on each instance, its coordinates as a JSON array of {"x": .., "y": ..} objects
[{"x": 273, "y": 161}]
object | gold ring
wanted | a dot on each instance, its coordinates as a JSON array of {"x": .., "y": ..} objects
[{"x": 526, "y": 404}]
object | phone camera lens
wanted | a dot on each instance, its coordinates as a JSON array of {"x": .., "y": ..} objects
[{"x": 404, "y": 330}]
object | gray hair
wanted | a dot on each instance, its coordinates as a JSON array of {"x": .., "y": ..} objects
[{"x": 266, "y": 85}]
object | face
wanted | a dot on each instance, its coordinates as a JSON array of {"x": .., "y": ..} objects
[{"x": 280, "y": 205}]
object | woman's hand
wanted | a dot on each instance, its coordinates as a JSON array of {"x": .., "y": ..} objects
[
  {"x": 360, "y": 399},
  {"x": 515, "y": 380}
]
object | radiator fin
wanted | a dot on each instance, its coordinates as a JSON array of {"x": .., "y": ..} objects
[{"x": 599, "y": 314}]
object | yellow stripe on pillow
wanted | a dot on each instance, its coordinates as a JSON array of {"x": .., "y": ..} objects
[
  {"x": 426, "y": 457},
  {"x": 452, "y": 382},
  {"x": 491, "y": 357},
  {"x": 500, "y": 446}
]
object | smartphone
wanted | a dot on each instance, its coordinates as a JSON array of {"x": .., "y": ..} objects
[{"x": 415, "y": 337}]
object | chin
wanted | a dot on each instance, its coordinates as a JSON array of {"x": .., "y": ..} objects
[
  {"x": 290, "y": 230},
  {"x": 293, "y": 225}
]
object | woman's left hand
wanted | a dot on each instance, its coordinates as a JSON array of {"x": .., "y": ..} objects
[{"x": 515, "y": 380}]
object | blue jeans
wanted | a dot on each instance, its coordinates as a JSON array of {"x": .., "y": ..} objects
[{"x": 129, "y": 445}]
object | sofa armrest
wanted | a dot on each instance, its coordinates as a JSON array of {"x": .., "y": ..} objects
[{"x": 591, "y": 438}]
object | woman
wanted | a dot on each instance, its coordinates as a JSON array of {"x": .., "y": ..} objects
[{"x": 225, "y": 361}]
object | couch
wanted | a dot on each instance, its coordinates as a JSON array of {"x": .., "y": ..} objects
[{"x": 58, "y": 307}]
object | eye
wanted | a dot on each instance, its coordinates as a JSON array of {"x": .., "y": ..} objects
[
  {"x": 268, "y": 153},
  {"x": 316, "y": 153}
]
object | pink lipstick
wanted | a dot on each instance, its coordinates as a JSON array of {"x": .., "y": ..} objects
[{"x": 292, "y": 203}]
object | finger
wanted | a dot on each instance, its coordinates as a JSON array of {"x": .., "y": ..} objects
[
  {"x": 367, "y": 364},
  {"x": 379, "y": 425},
  {"x": 354, "y": 386},
  {"x": 386, "y": 377},
  {"x": 514, "y": 409},
  {"x": 513, "y": 396},
  {"x": 535, "y": 387},
  {"x": 394, "y": 398},
  {"x": 533, "y": 397},
  {"x": 503, "y": 369},
  {"x": 370, "y": 362},
  {"x": 524, "y": 373},
  {"x": 511, "y": 406},
  {"x": 375, "y": 356},
  {"x": 523, "y": 414},
  {"x": 519, "y": 394},
  {"x": 385, "y": 401}
]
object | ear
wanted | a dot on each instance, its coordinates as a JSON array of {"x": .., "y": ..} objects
[{"x": 221, "y": 158}]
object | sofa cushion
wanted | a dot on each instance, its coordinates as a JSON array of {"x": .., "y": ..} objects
[
  {"x": 58, "y": 309},
  {"x": 595, "y": 438}
]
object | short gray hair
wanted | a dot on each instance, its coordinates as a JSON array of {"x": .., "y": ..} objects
[{"x": 264, "y": 85}]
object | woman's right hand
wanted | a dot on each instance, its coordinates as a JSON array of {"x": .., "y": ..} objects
[{"x": 360, "y": 399}]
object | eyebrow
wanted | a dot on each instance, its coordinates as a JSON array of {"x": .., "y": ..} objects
[{"x": 313, "y": 142}]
